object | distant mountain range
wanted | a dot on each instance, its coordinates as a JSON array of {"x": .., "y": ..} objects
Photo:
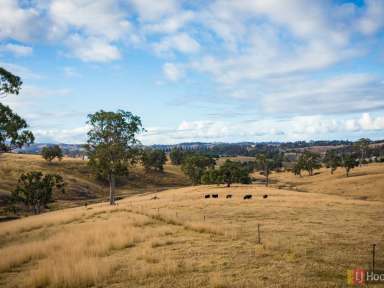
[{"x": 216, "y": 148}]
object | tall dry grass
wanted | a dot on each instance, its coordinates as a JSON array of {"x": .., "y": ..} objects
[{"x": 184, "y": 240}]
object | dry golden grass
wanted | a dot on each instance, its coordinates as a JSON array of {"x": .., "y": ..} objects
[
  {"x": 81, "y": 185},
  {"x": 184, "y": 240},
  {"x": 366, "y": 182}
]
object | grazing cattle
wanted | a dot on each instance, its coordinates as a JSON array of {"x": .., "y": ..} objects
[
  {"x": 229, "y": 196},
  {"x": 215, "y": 195},
  {"x": 265, "y": 196},
  {"x": 207, "y": 196},
  {"x": 248, "y": 196}
]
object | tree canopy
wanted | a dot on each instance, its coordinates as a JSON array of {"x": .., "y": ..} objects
[
  {"x": 195, "y": 165},
  {"x": 13, "y": 128},
  {"x": 13, "y": 132},
  {"x": 176, "y": 156},
  {"x": 9, "y": 83},
  {"x": 153, "y": 159}
]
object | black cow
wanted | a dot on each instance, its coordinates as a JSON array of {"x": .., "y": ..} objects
[
  {"x": 215, "y": 195},
  {"x": 248, "y": 196},
  {"x": 207, "y": 196},
  {"x": 265, "y": 196},
  {"x": 229, "y": 196}
]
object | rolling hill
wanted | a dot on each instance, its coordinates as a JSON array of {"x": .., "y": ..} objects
[{"x": 81, "y": 186}]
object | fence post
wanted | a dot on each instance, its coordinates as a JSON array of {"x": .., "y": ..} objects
[
  {"x": 258, "y": 234},
  {"x": 373, "y": 257}
]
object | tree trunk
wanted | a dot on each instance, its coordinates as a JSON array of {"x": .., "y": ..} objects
[{"x": 111, "y": 189}]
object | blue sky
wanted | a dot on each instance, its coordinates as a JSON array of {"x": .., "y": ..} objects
[{"x": 245, "y": 70}]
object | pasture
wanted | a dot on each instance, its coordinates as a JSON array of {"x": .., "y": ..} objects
[
  {"x": 365, "y": 182},
  {"x": 183, "y": 239},
  {"x": 81, "y": 185}
]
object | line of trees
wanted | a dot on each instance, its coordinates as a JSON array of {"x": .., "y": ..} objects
[{"x": 310, "y": 161}]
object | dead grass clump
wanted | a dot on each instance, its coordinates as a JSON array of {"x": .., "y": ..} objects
[{"x": 82, "y": 272}]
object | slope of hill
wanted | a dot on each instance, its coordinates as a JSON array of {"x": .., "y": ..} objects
[
  {"x": 184, "y": 240},
  {"x": 81, "y": 185},
  {"x": 366, "y": 182}
]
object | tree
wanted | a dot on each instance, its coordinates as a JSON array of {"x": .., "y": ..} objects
[
  {"x": 212, "y": 176},
  {"x": 35, "y": 189},
  {"x": 349, "y": 162},
  {"x": 310, "y": 161},
  {"x": 13, "y": 133},
  {"x": 266, "y": 165},
  {"x": 332, "y": 160},
  {"x": 9, "y": 83},
  {"x": 153, "y": 159},
  {"x": 51, "y": 152},
  {"x": 234, "y": 172},
  {"x": 362, "y": 145},
  {"x": 195, "y": 165},
  {"x": 228, "y": 173},
  {"x": 176, "y": 156},
  {"x": 112, "y": 144},
  {"x": 297, "y": 168}
]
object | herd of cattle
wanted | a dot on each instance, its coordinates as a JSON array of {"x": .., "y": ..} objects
[{"x": 245, "y": 197}]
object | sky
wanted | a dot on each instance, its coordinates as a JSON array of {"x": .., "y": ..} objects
[{"x": 214, "y": 71}]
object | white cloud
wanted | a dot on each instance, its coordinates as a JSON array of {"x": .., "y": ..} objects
[
  {"x": 180, "y": 42},
  {"x": 291, "y": 129},
  {"x": 373, "y": 17},
  {"x": 95, "y": 18},
  {"x": 153, "y": 10},
  {"x": 170, "y": 24},
  {"x": 18, "y": 23},
  {"x": 172, "y": 72},
  {"x": 16, "y": 49},
  {"x": 93, "y": 49},
  {"x": 75, "y": 135}
]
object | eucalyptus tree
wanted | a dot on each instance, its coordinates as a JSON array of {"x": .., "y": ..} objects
[{"x": 112, "y": 144}]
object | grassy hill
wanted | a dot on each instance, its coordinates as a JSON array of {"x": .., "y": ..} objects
[
  {"x": 366, "y": 182},
  {"x": 184, "y": 240},
  {"x": 81, "y": 185}
]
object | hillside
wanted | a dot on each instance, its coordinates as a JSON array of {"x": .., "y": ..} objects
[
  {"x": 184, "y": 240},
  {"x": 81, "y": 185},
  {"x": 366, "y": 182}
]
